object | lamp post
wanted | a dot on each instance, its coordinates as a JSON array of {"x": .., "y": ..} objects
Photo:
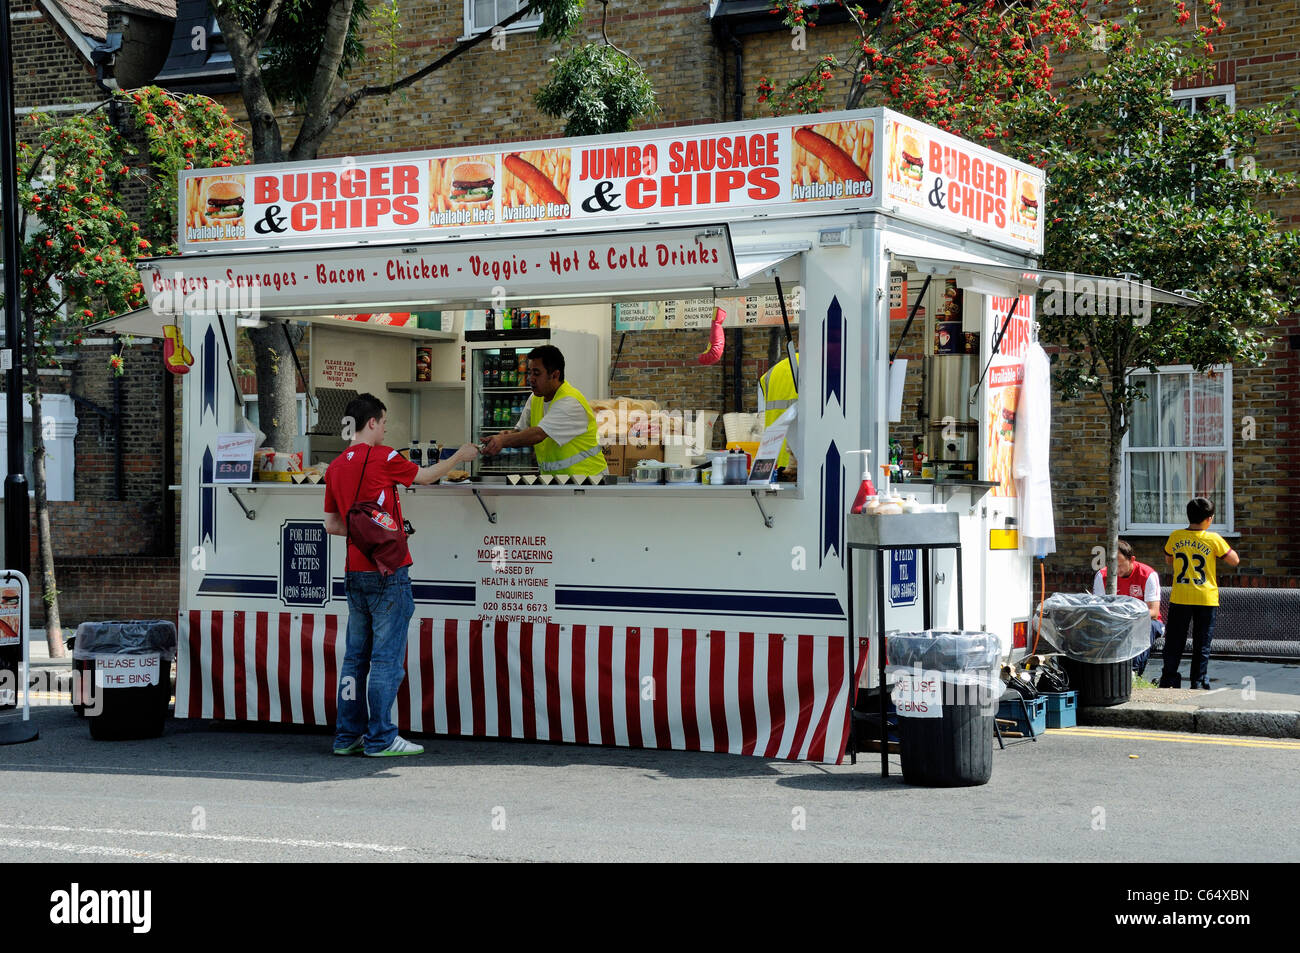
[{"x": 17, "y": 516}]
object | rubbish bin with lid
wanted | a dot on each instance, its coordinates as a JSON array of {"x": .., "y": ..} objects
[
  {"x": 946, "y": 687},
  {"x": 122, "y": 677},
  {"x": 1099, "y": 637}
]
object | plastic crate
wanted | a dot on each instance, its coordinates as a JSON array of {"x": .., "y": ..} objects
[
  {"x": 1062, "y": 709},
  {"x": 1030, "y": 714}
]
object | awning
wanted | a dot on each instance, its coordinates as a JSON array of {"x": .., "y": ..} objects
[
  {"x": 1069, "y": 283},
  {"x": 332, "y": 284},
  {"x": 755, "y": 263}
]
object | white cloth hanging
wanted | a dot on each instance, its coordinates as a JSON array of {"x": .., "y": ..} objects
[{"x": 1029, "y": 461}]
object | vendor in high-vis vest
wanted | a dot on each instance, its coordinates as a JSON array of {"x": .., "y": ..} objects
[
  {"x": 557, "y": 422},
  {"x": 777, "y": 393}
]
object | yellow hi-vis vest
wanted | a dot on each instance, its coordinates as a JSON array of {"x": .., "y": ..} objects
[
  {"x": 779, "y": 395},
  {"x": 581, "y": 454}
]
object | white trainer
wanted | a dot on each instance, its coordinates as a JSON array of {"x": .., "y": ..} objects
[{"x": 399, "y": 747}]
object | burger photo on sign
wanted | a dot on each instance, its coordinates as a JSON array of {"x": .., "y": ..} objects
[
  {"x": 223, "y": 200},
  {"x": 1028, "y": 205},
  {"x": 910, "y": 165},
  {"x": 471, "y": 184}
]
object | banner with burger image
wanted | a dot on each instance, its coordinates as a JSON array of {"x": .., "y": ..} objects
[
  {"x": 535, "y": 185},
  {"x": 214, "y": 208},
  {"x": 462, "y": 190},
  {"x": 904, "y": 164},
  {"x": 1025, "y": 211},
  {"x": 832, "y": 160}
]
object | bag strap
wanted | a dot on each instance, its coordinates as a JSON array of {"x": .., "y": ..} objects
[
  {"x": 361, "y": 479},
  {"x": 347, "y": 522}
]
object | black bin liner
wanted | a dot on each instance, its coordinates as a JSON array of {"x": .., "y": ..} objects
[
  {"x": 952, "y": 747},
  {"x": 1097, "y": 629}
]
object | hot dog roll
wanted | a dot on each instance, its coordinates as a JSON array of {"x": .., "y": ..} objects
[
  {"x": 836, "y": 159},
  {"x": 535, "y": 179}
]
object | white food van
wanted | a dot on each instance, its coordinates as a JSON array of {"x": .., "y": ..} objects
[{"x": 692, "y": 616}]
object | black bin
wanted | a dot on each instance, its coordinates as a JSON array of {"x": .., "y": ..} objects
[
  {"x": 954, "y": 749},
  {"x": 1100, "y": 684},
  {"x": 122, "y": 677}
]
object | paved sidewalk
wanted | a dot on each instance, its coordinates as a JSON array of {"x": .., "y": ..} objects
[{"x": 1245, "y": 698}]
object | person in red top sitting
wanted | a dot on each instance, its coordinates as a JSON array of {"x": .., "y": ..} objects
[
  {"x": 379, "y": 608},
  {"x": 1141, "y": 582}
]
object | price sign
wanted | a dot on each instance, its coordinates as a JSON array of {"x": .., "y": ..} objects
[{"x": 234, "y": 458}]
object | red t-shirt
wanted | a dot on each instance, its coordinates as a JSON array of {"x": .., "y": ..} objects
[{"x": 383, "y": 468}]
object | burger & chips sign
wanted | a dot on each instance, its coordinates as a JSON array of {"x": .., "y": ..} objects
[{"x": 866, "y": 160}]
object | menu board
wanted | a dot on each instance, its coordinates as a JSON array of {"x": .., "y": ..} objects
[{"x": 697, "y": 313}]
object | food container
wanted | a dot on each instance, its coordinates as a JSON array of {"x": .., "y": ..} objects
[
  {"x": 681, "y": 475},
  {"x": 646, "y": 472},
  {"x": 424, "y": 363}
]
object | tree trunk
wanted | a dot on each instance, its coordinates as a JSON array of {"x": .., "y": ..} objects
[
  {"x": 44, "y": 549},
  {"x": 1114, "y": 488},
  {"x": 277, "y": 391}
]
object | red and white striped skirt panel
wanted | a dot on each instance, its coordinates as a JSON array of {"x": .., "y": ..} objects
[{"x": 756, "y": 693}]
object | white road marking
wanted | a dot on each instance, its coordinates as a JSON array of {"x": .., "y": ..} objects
[
  {"x": 194, "y": 835},
  {"x": 167, "y": 772},
  {"x": 102, "y": 851}
]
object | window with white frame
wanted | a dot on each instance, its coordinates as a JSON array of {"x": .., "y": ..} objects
[
  {"x": 1179, "y": 445},
  {"x": 483, "y": 15},
  {"x": 1201, "y": 98}
]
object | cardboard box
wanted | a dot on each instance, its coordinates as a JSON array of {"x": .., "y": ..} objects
[
  {"x": 614, "y": 459},
  {"x": 632, "y": 454}
]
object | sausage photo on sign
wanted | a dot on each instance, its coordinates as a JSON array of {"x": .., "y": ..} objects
[
  {"x": 540, "y": 177},
  {"x": 833, "y": 152}
]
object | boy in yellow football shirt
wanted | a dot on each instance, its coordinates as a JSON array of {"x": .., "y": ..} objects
[{"x": 1192, "y": 553}]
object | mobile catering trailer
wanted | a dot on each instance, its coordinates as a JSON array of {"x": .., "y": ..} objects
[{"x": 706, "y": 617}]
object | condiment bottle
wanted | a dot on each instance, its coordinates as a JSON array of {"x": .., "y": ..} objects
[{"x": 867, "y": 488}]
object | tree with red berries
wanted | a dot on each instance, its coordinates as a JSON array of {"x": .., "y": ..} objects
[
  {"x": 946, "y": 62},
  {"x": 77, "y": 177}
]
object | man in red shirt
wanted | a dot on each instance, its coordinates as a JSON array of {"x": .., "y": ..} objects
[
  {"x": 1139, "y": 581},
  {"x": 379, "y": 607}
]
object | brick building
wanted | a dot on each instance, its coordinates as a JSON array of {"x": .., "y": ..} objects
[
  {"x": 112, "y": 517},
  {"x": 704, "y": 59},
  {"x": 1244, "y": 416}
]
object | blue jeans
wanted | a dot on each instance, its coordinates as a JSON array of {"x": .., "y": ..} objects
[
  {"x": 1201, "y": 620},
  {"x": 379, "y": 611},
  {"x": 1140, "y": 661}
]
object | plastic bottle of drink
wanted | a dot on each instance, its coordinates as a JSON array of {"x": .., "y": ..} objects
[{"x": 416, "y": 456}]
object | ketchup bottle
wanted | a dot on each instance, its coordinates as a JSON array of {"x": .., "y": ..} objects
[{"x": 867, "y": 488}]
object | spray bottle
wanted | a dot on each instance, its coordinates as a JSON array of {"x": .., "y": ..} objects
[{"x": 867, "y": 488}]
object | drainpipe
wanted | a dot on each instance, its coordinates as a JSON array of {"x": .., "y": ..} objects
[{"x": 739, "y": 49}]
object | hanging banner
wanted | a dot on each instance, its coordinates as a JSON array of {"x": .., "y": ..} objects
[
  {"x": 783, "y": 166},
  {"x": 1005, "y": 375}
]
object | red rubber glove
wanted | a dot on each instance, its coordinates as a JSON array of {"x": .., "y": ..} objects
[{"x": 717, "y": 341}]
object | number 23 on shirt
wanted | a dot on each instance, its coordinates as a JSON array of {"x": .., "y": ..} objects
[{"x": 1195, "y": 553}]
